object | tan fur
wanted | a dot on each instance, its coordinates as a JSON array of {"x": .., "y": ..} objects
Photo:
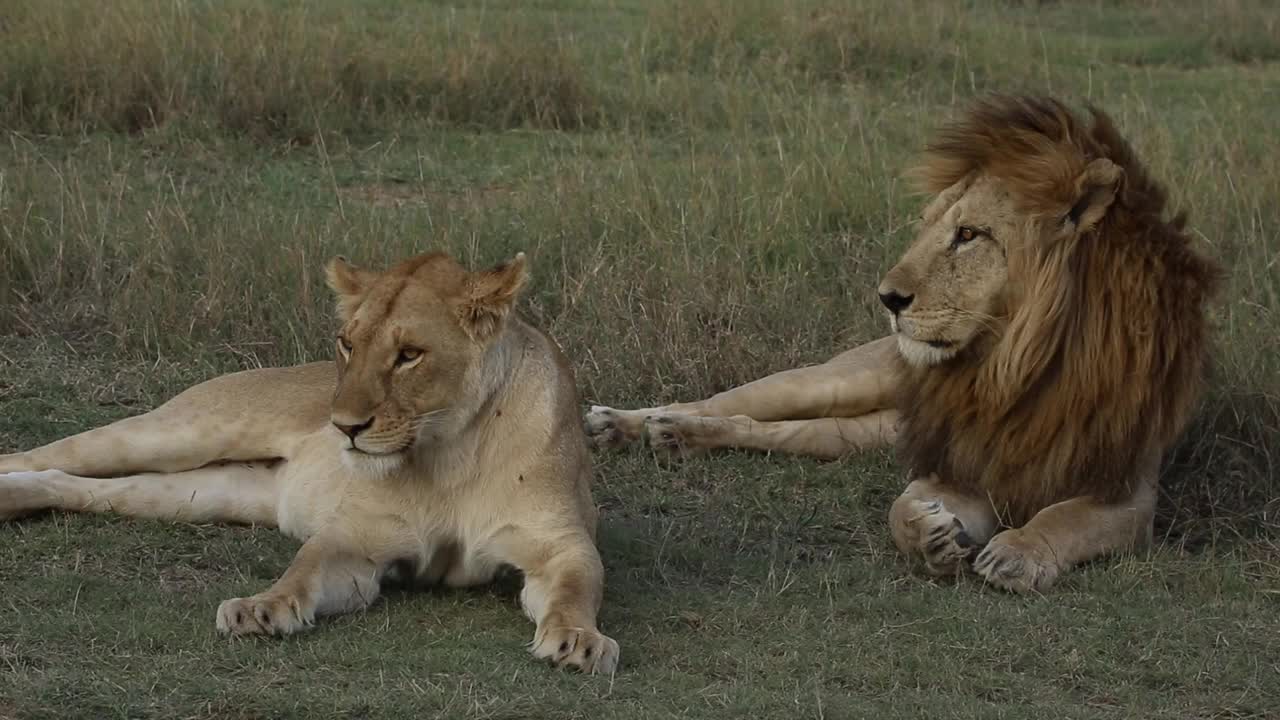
[
  {"x": 463, "y": 455},
  {"x": 1050, "y": 337},
  {"x": 825, "y": 411}
]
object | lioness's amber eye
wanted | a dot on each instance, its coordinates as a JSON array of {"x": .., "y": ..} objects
[
  {"x": 408, "y": 355},
  {"x": 965, "y": 234},
  {"x": 344, "y": 345}
]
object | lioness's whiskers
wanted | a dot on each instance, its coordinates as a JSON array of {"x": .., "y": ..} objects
[{"x": 429, "y": 419}]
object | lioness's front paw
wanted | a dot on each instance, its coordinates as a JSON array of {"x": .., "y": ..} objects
[
  {"x": 1017, "y": 561},
  {"x": 587, "y": 650},
  {"x": 929, "y": 532},
  {"x": 609, "y": 428},
  {"x": 263, "y": 615}
]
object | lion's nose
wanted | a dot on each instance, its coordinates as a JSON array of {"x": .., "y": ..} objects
[
  {"x": 352, "y": 431},
  {"x": 895, "y": 301}
]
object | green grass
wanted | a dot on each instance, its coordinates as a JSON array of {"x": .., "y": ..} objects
[{"x": 708, "y": 192}]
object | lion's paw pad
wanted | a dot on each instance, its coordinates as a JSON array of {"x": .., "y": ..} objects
[
  {"x": 663, "y": 431},
  {"x": 941, "y": 539},
  {"x": 676, "y": 435},
  {"x": 608, "y": 428},
  {"x": 262, "y": 615},
  {"x": 585, "y": 650}
]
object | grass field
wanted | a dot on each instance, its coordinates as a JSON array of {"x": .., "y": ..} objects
[{"x": 708, "y": 192}]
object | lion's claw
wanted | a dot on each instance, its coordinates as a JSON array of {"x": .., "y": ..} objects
[{"x": 1018, "y": 562}]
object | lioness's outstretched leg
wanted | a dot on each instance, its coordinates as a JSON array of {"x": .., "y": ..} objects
[
  {"x": 939, "y": 525},
  {"x": 250, "y": 415},
  {"x": 1065, "y": 534},
  {"x": 328, "y": 576},
  {"x": 563, "y": 589},
  {"x": 231, "y": 492},
  {"x": 825, "y": 438},
  {"x": 851, "y": 384}
]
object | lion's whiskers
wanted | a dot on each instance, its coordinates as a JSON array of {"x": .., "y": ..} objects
[{"x": 986, "y": 320}]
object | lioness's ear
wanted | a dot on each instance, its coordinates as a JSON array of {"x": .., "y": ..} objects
[
  {"x": 1096, "y": 189},
  {"x": 490, "y": 295},
  {"x": 349, "y": 283}
]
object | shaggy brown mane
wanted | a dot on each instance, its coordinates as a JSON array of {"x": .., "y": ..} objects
[{"x": 1095, "y": 367}]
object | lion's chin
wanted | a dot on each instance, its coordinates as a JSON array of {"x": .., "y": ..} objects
[{"x": 923, "y": 354}]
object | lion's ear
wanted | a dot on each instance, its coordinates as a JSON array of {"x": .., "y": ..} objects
[
  {"x": 490, "y": 295},
  {"x": 1096, "y": 189},
  {"x": 349, "y": 283},
  {"x": 945, "y": 198}
]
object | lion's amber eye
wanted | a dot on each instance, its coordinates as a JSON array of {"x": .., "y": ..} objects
[
  {"x": 965, "y": 234},
  {"x": 408, "y": 355},
  {"x": 344, "y": 345}
]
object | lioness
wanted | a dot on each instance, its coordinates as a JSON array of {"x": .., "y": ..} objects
[
  {"x": 1048, "y": 341},
  {"x": 449, "y": 446}
]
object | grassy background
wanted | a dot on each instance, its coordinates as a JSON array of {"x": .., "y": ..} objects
[{"x": 708, "y": 192}]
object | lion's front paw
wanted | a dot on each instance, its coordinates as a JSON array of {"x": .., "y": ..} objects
[
  {"x": 679, "y": 434},
  {"x": 263, "y": 615},
  {"x": 609, "y": 428},
  {"x": 926, "y": 530},
  {"x": 1015, "y": 560},
  {"x": 587, "y": 650},
  {"x": 667, "y": 432}
]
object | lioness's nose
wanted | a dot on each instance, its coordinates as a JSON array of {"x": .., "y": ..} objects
[
  {"x": 352, "y": 431},
  {"x": 895, "y": 301}
]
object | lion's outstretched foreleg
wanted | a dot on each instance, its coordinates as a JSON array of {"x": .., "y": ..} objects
[
  {"x": 825, "y": 438},
  {"x": 940, "y": 526},
  {"x": 1065, "y": 534},
  {"x": 853, "y": 384}
]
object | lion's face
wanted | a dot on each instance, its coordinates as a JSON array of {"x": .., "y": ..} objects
[
  {"x": 950, "y": 284},
  {"x": 410, "y": 350}
]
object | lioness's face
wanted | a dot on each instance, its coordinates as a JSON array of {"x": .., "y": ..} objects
[
  {"x": 410, "y": 348},
  {"x": 950, "y": 284}
]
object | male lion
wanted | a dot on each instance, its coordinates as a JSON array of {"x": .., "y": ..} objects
[
  {"x": 448, "y": 447},
  {"x": 1048, "y": 341}
]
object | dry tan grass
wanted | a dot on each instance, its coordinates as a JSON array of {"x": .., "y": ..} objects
[{"x": 283, "y": 69}]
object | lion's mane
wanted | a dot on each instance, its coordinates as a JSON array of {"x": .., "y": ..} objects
[{"x": 1097, "y": 362}]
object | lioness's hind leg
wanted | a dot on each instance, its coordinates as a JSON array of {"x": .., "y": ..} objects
[
  {"x": 939, "y": 526},
  {"x": 163, "y": 440},
  {"x": 250, "y": 415},
  {"x": 233, "y": 492}
]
